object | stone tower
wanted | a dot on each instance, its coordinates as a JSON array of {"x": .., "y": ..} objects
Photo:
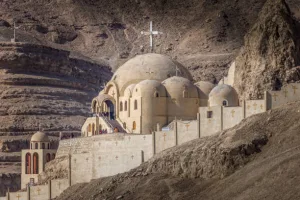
[{"x": 35, "y": 158}]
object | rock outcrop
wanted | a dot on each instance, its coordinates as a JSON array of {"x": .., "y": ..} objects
[
  {"x": 42, "y": 87},
  {"x": 271, "y": 53}
]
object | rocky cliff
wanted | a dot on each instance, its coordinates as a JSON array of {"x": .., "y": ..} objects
[
  {"x": 270, "y": 57},
  {"x": 204, "y": 35},
  {"x": 42, "y": 87}
]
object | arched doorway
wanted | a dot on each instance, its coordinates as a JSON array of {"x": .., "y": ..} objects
[{"x": 110, "y": 109}]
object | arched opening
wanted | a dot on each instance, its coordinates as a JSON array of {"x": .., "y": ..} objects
[
  {"x": 31, "y": 146},
  {"x": 53, "y": 156},
  {"x": 48, "y": 157},
  {"x": 156, "y": 94},
  {"x": 36, "y": 146},
  {"x": 125, "y": 106},
  {"x": 134, "y": 125},
  {"x": 93, "y": 129},
  {"x": 135, "y": 105},
  {"x": 89, "y": 128},
  {"x": 35, "y": 163},
  {"x": 121, "y": 106},
  {"x": 48, "y": 145},
  {"x": 43, "y": 145},
  {"x": 28, "y": 163},
  {"x": 225, "y": 103},
  {"x": 110, "y": 109}
]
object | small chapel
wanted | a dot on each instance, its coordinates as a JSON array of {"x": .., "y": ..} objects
[{"x": 149, "y": 92}]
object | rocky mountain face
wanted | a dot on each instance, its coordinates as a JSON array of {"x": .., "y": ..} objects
[
  {"x": 41, "y": 88},
  {"x": 204, "y": 35},
  {"x": 270, "y": 57}
]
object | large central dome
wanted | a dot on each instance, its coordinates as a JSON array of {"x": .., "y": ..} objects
[{"x": 148, "y": 66}]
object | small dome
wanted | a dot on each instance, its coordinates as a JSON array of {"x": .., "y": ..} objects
[
  {"x": 129, "y": 90},
  {"x": 148, "y": 66},
  {"x": 222, "y": 94},
  {"x": 149, "y": 88},
  {"x": 205, "y": 88},
  {"x": 179, "y": 87},
  {"x": 40, "y": 137}
]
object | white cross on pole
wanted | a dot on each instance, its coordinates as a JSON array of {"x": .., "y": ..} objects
[
  {"x": 177, "y": 70},
  {"x": 151, "y": 33},
  {"x": 15, "y": 27}
]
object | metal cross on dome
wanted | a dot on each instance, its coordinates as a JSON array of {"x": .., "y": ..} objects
[{"x": 151, "y": 33}]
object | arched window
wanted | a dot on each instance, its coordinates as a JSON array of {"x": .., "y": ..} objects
[
  {"x": 43, "y": 145},
  {"x": 89, "y": 128},
  {"x": 48, "y": 157},
  {"x": 36, "y": 146},
  {"x": 48, "y": 145},
  {"x": 156, "y": 94},
  {"x": 53, "y": 156},
  {"x": 225, "y": 103},
  {"x": 28, "y": 163},
  {"x": 125, "y": 106},
  {"x": 121, "y": 106},
  {"x": 133, "y": 125},
  {"x": 135, "y": 105},
  {"x": 93, "y": 129},
  {"x": 35, "y": 163},
  {"x": 185, "y": 94}
]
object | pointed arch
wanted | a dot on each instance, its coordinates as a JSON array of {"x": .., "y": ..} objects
[
  {"x": 135, "y": 105},
  {"x": 35, "y": 163},
  {"x": 28, "y": 163},
  {"x": 125, "y": 107},
  {"x": 121, "y": 106}
]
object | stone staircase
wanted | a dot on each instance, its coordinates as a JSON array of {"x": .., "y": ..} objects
[{"x": 116, "y": 124}]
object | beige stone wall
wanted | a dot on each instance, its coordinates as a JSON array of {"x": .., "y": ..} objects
[
  {"x": 209, "y": 126},
  {"x": 39, "y": 192},
  {"x": 164, "y": 140},
  {"x": 109, "y": 156},
  {"x": 184, "y": 109},
  {"x": 287, "y": 94},
  {"x": 18, "y": 196},
  {"x": 253, "y": 107},
  {"x": 187, "y": 131},
  {"x": 232, "y": 116}
]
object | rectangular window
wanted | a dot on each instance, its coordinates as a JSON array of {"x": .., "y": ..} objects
[{"x": 209, "y": 114}]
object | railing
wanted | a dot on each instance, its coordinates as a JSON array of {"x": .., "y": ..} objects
[{"x": 106, "y": 121}]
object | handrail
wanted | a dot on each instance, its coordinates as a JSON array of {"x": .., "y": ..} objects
[{"x": 106, "y": 121}]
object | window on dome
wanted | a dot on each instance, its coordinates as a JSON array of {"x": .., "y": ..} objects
[
  {"x": 209, "y": 114},
  {"x": 156, "y": 94},
  {"x": 225, "y": 103},
  {"x": 185, "y": 94}
]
